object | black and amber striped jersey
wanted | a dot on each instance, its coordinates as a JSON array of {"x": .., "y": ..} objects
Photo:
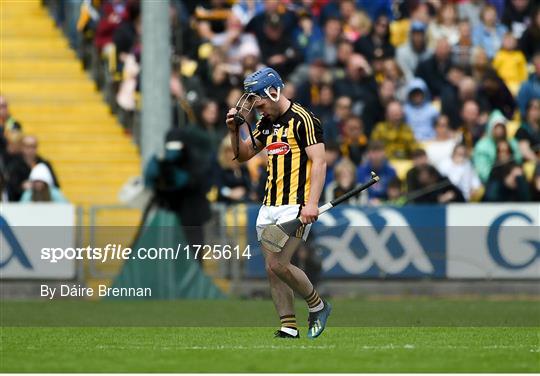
[{"x": 289, "y": 167}]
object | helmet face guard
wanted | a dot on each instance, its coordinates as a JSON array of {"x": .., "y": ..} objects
[{"x": 248, "y": 100}]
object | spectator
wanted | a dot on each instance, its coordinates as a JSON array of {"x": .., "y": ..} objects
[
  {"x": 434, "y": 69},
  {"x": 497, "y": 94},
  {"x": 387, "y": 93},
  {"x": 356, "y": 26},
  {"x": 396, "y": 136},
  {"x": 434, "y": 188},
  {"x": 529, "y": 42},
  {"x": 516, "y": 16},
  {"x": 489, "y": 33},
  {"x": 480, "y": 63},
  {"x": 42, "y": 187},
  {"x": 19, "y": 168},
  {"x": 342, "y": 110},
  {"x": 210, "y": 122},
  {"x": 472, "y": 127},
  {"x": 446, "y": 26},
  {"x": 7, "y": 121},
  {"x": 307, "y": 33},
  {"x": 13, "y": 148},
  {"x": 376, "y": 45},
  {"x": 276, "y": 44},
  {"x": 460, "y": 89},
  {"x": 376, "y": 161},
  {"x": 420, "y": 114},
  {"x": 419, "y": 158},
  {"x": 462, "y": 50},
  {"x": 535, "y": 184},
  {"x": 332, "y": 155},
  {"x": 324, "y": 108},
  {"x": 441, "y": 147},
  {"x": 354, "y": 141},
  {"x": 126, "y": 36},
  {"x": 510, "y": 63},
  {"x": 394, "y": 192},
  {"x": 234, "y": 42},
  {"x": 528, "y": 134},
  {"x": 344, "y": 181},
  {"x": 414, "y": 51},
  {"x": 113, "y": 13},
  {"x": 231, "y": 178},
  {"x": 530, "y": 89},
  {"x": 308, "y": 93},
  {"x": 392, "y": 72},
  {"x": 506, "y": 181},
  {"x": 470, "y": 10},
  {"x": 325, "y": 49},
  {"x": 360, "y": 85},
  {"x": 485, "y": 151},
  {"x": 459, "y": 169},
  {"x": 345, "y": 51}
]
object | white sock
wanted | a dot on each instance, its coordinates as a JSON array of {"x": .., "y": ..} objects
[
  {"x": 317, "y": 308},
  {"x": 291, "y": 331}
]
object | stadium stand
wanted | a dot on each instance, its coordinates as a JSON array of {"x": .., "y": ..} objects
[{"x": 55, "y": 100}]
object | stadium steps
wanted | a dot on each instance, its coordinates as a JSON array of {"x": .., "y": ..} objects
[{"x": 54, "y": 99}]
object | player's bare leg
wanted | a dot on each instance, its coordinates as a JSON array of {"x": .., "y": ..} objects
[
  {"x": 279, "y": 264},
  {"x": 283, "y": 298}
]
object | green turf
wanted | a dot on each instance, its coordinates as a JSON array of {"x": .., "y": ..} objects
[{"x": 252, "y": 349}]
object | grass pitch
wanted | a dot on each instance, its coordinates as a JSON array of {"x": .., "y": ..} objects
[{"x": 418, "y": 343}]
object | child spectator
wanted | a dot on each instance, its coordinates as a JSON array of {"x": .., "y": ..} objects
[
  {"x": 394, "y": 193},
  {"x": 460, "y": 171},
  {"x": 344, "y": 181},
  {"x": 354, "y": 141},
  {"x": 396, "y": 136},
  {"x": 420, "y": 114},
  {"x": 506, "y": 181},
  {"x": 42, "y": 187},
  {"x": 376, "y": 161},
  {"x": 510, "y": 63}
]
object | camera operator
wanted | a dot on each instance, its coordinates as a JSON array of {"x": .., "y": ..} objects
[{"x": 179, "y": 183}]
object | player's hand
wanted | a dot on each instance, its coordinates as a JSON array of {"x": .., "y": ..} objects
[
  {"x": 309, "y": 214},
  {"x": 230, "y": 119}
]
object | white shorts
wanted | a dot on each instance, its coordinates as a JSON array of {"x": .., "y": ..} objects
[{"x": 271, "y": 215}]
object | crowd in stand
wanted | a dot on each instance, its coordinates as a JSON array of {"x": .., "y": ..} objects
[
  {"x": 440, "y": 98},
  {"x": 24, "y": 175}
]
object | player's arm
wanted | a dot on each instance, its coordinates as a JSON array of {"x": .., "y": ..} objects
[
  {"x": 318, "y": 173},
  {"x": 245, "y": 147}
]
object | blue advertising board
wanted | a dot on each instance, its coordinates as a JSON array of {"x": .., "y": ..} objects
[{"x": 372, "y": 242}]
